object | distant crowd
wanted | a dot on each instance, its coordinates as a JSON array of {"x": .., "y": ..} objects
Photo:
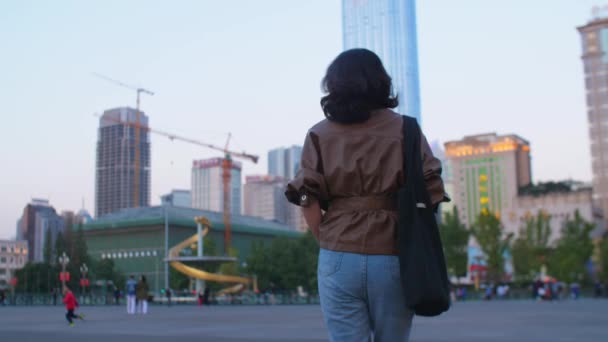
[{"x": 545, "y": 290}]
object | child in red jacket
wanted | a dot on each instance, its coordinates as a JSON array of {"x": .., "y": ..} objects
[{"x": 70, "y": 304}]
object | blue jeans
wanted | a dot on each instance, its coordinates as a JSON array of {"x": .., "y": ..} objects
[{"x": 361, "y": 297}]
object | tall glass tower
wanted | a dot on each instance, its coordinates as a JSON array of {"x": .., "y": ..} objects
[
  {"x": 594, "y": 38},
  {"x": 387, "y": 27}
]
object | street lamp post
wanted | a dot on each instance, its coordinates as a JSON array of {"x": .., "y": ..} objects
[
  {"x": 64, "y": 260},
  {"x": 201, "y": 222},
  {"x": 84, "y": 281}
]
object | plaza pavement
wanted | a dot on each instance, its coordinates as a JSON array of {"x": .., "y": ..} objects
[{"x": 520, "y": 321}]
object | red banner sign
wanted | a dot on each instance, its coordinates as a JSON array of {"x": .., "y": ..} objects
[{"x": 64, "y": 276}]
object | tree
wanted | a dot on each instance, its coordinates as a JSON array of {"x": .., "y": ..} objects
[
  {"x": 573, "y": 250},
  {"x": 531, "y": 247},
  {"x": 105, "y": 269},
  {"x": 604, "y": 258},
  {"x": 79, "y": 248},
  {"x": 178, "y": 280},
  {"x": 60, "y": 246},
  {"x": 231, "y": 268},
  {"x": 258, "y": 263},
  {"x": 455, "y": 239},
  {"x": 48, "y": 247},
  {"x": 489, "y": 234},
  {"x": 286, "y": 263},
  {"x": 310, "y": 258},
  {"x": 37, "y": 278},
  {"x": 524, "y": 263},
  {"x": 68, "y": 237}
]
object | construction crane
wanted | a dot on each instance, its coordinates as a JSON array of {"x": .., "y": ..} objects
[
  {"x": 226, "y": 168},
  {"x": 136, "y": 164}
]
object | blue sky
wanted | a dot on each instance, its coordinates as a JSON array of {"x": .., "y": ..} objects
[{"x": 253, "y": 68}]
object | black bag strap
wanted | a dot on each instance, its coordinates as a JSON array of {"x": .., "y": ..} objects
[{"x": 412, "y": 159}]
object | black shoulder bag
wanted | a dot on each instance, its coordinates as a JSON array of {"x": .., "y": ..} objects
[{"x": 422, "y": 264}]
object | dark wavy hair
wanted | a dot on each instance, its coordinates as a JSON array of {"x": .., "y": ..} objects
[{"x": 356, "y": 83}]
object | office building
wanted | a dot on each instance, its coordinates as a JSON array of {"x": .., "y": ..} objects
[
  {"x": 558, "y": 201},
  {"x": 177, "y": 198},
  {"x": 387, "y": 27},
  {"x": 446, "y": 175},
  {"x": 122, "y": 171},
  {"x": 594, "y": 38},
  {"x": 264, "y": 197},
  {"x": 13, "y": 256},
  {"x": 284, "y": 161},
  {"x": 207, "y": 185},
  {"x": 38, "y": 218},
  {"x": 487, "y": 172}
]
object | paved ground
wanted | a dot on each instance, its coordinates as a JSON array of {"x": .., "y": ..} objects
[{"x": 471, "y": 322}]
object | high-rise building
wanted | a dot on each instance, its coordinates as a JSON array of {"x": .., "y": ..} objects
[
  {"x": 594, "y": 37},
  {"x": 38, "y": 218},
  {"x": 446, "y": 175},
  {"x": 207, "y": 185},
  {"x": 264, "y": 197},
  {"x": 487, "y": 172},
  {"x": 387, "y": 27},
  {"x": 284, "y": 161},
  {"x": 177, "y": 198},
  {"x": 116, "y": 184}
]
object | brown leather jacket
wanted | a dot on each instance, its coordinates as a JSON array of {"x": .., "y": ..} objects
[{"x": 355, "y": 171}]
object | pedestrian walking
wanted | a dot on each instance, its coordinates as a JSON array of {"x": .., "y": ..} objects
[
  {"x": 489, "y": 292},
  {"x": 200, "y": 298},
  {"x": 597, "y": 289},
  {"x": 2, "y": 297},
  {"x": 351, "y": 170},
  {"x": 116, "y": 296},
  {"x": 575, "y": 288},
  {"x": 168, "y": 294},
  {"x": 206, "y": 296},
  {"x": 70, "y": 305},
  {"x": 131, "y": 290},
  {"x": 54, "y": 292},
  {"x": 142, "y": 292}
]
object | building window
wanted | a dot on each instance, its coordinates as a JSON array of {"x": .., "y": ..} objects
[
  {"x": 3, "y": 249},
  {"x": 2, "y": 260}
]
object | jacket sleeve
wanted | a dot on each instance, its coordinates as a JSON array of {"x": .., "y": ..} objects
[
  {"x": 309, "y": 182},
  {"x": 431, "y": 167}
]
